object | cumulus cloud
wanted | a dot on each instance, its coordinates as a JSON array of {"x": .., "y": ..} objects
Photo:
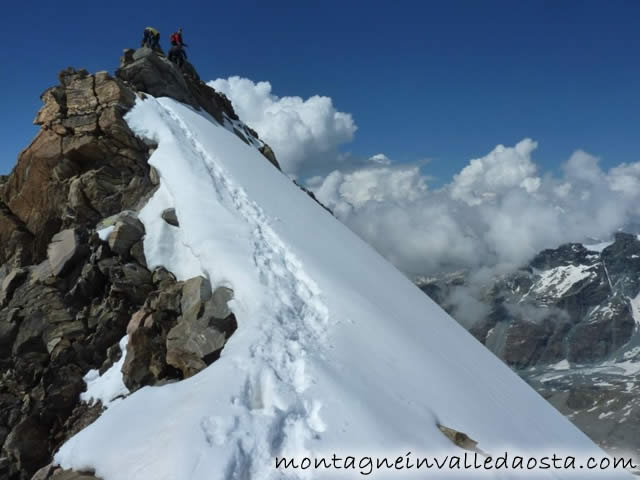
[
  {"x": 501, "y": 170},
  {"x": 494, "y": 215},
  {"x": 304, "y": 134}
]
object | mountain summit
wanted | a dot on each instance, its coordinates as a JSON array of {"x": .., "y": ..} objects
[{"x": 174, "y": 307}]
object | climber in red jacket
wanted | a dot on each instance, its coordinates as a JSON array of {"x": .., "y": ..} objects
[{"x": 176, "y": 38}]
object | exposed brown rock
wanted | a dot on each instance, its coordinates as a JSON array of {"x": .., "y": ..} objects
[
  {"x": 269, "y": 155},
  {"x": 461, "y": 439},
  {"x": 64, "y": 250},
  {"x": 150, "y": 72},
  {"x": 84, "y": 164},
  {"x": 126, "y": 233}
]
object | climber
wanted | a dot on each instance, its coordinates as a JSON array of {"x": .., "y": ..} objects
[
  {"x": 151, "y": 38},
  {"x": 176, "y": 38},
  {"x": 177, "y": 55}
]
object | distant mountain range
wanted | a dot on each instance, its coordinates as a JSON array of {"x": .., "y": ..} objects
[{"x": 568, "y": 324}]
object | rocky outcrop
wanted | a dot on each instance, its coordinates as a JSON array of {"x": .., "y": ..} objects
[
  {"x": 181, "y": 329},
  {"x": 85, "y": 164},
  {"x": 148, "y": 71},
  {"x": 54, "y": 328},
  {"x": 151, "y": 72}
]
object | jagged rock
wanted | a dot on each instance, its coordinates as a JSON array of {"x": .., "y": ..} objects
[
  {"x": 269, "y": 155},
  {"x": 132, "y": 281},
  {"x": 149, "y": 72},
  {"x": 112, "y": 92},
  {"x": 43, "y": 473},
  {"x": 127, "y": 232},
  {"x": 29, "y": 337},
  {"x": 80, "y": 93},
  {"x": 8, "y": 330},
  {"x": 26, "y": 445},
  {"x": 154, "y": 176},
  {"x": 84, "y": 164},
  {"x": 169, "y": 216},
  {"x": 54, "y": 107},
  {"x": 71, "y": 475},
  {"x": 64, "y": 251},
  {"x": 166, "y": 299},
  {"x": 162, "y": 278},
  {"x": 10, "y": 283},
  {"x": 217, "y": 306},
  {"x": 137, "y": 253},
  {"x": 193, "y": 344},
  {"x": 202, "y": 331},
  {"x": 50, "y": 472},
  {"x": 195, "y": 292},
  {"x": 145, "y": 362},
  {"x": 89, "y": 284},
  {"x": 461, "y": 439}
]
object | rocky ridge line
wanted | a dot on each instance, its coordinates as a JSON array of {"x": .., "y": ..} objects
[{"x": 67, "y": 296}]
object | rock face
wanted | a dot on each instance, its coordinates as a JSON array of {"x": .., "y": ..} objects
[
  {"x": 568, "y": 324},
  {"x": 53, "y": 329},
  {"x": 181, "y": 329},
  {"x": 150, "y": 72},
  {"x": 85, "y": 164}
]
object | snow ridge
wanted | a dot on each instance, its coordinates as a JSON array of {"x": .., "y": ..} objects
[
  {"x": 289, "y": 382},
  {"x": 267, "y": 390}
]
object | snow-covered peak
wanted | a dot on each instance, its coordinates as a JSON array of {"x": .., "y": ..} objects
[{"x": 336, "y": 351}]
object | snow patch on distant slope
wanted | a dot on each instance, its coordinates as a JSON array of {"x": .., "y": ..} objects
[
  {"x": 556, "y": 282},
  {"x": 635, "y": 308}
]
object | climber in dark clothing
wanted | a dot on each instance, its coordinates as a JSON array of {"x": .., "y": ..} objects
[
  {"x": 177, "y": 55},
  {"x": 151, "y": 38}
]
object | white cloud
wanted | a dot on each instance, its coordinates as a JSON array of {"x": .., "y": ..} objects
[
  {"x": 304, "y": 134},
  {"x": 494, "y": 215},
  {"x": 502, "y": 169},
  {"x": 380, "y": 158}
]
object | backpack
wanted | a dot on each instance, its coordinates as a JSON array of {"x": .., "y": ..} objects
[{"x": 174, "y": 38}]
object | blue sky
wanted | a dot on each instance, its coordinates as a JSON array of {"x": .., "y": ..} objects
[{"x": 440, "y": 80}]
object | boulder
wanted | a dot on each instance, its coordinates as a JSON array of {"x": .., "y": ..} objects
[
  {"x": 461, "y": 439},
  {"x": 64, "y": 251},
  {"x": 137, "y": 253},
  {"x": 193, "y": 344},
  {"x": 26, "y": 445},
  {"x": 145, "y": 362},
  {"x": 269, "y": 155},
  {"x": 127, "y": 232},
  {"x": 169, "y": 216},
  {"x": 202, "y": 330},
  {"x": 10, "y": 283},
  {"x": 132, "y": 281},
  {"x": 195, "y": 292}
]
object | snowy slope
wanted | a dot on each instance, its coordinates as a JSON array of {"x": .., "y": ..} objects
[{"x": 336, "y": 351}]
